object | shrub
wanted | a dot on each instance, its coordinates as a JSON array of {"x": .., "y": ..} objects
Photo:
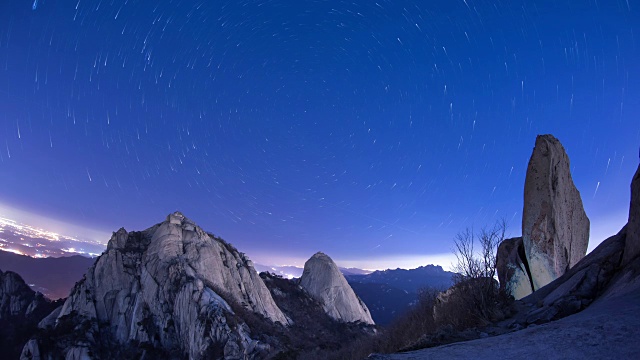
[
  {"x": 476, "y": 298},
  {"x": 401, "y": 334}
]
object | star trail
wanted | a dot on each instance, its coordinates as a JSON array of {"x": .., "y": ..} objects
[{"x": 370, "y": 130}]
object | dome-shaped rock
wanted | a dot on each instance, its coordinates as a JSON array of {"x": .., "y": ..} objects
[{"x": 323, "y": 280}]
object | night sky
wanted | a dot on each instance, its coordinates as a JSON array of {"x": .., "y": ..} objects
[{"x": 370, "y": 130}]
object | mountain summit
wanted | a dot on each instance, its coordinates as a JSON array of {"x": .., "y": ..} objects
[
  {"x": 173, "y": 288},
  {"x": 323, "y": 280}
]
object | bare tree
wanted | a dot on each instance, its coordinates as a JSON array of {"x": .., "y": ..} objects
[
  {"x": 475, "y": 297},
  {"x": 472, "y": 264}
]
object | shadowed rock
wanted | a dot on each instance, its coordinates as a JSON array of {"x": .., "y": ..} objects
[
  {"x": 513, "y": 271},
  {"x": 323, "y": 280},
  {"x": 20, "y": 311},
  {"x": 632, "y": 246},
  {"x": 17, "y": 298}
]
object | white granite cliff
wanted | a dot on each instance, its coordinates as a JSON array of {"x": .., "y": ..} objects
[{"x": 172, "y": 286}]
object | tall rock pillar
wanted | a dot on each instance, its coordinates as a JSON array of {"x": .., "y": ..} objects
[{"x": 555, "y": 227}]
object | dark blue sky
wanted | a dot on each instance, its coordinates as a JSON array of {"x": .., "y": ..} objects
[{"x": 364, "y": 129}]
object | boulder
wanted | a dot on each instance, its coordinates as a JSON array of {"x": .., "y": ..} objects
[
  {"x": 632, "y": 245},
  {"x": 323, "y": 280},
  {"x": 555, "y": 228},
  {"x": 512, "y": 268}
]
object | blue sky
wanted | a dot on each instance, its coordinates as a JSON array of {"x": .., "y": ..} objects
[{"x": 372, "y": 131}]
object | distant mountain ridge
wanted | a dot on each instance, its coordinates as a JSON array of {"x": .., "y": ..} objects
[
  {"x": 290, "y": 271},
  {"x": 389, "y": 293},
  {"x": 53, "y": 277},
  {"x": 410, "y": 280}
]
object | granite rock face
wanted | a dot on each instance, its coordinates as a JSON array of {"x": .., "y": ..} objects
[
  {"x": 323, "y": 280},
  {"x": 555, "y": 228},
  {"x": 603, "y": 274},
  {"x": 174, "y": 287},
  {"x": 16, "y": 297},
  {"x": 513, "y": 271},
  {"x": 632, "y": 245}
]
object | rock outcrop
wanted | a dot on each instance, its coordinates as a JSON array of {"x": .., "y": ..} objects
[
  {"x": 513, "y": 271},
  {"x": 20, "y": 311},
  {"x": 632, "y": 245},
  {"x": 555, "y": 228},
  {"x": 172, "y": 287},
  {"x": 605, "y": 273},
  {"x": 17, "y": 298},
  {"x": 323, "y": 280}
]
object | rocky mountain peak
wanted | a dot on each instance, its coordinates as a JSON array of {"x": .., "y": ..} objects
[
  {"x": 323, "y": 280},
  {"x": 172, "y": 286},
  {"x": 322, "y": 257},
  {"x": 16, "y": 297}
]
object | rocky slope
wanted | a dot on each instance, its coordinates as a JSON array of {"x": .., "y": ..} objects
[
  {"x": 323, "y": 280},
  {"x": 16, "y": 297},
  {"x": 20, "y": 311},
  {"x": 313, "y": 334},
  {"x": 606, "y": 330},
  {"x": 555, "y": 227},
  {"x": 172, "y": 288}
]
